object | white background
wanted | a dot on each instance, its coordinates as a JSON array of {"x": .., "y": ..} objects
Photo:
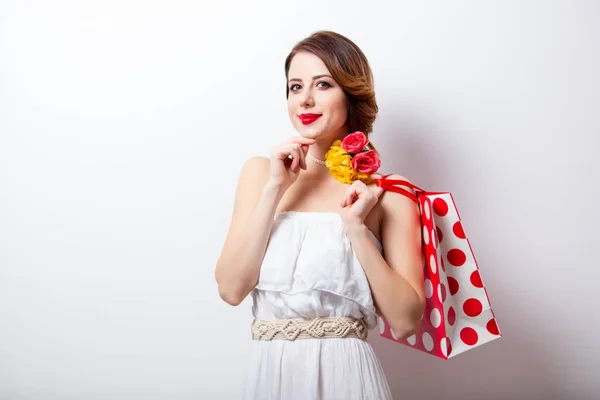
[{"x": 123, "y": 127}]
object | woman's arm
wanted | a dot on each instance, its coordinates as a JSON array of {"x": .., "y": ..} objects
[
  {"x": 397, "y": 280},
  {"x": 256, "y": 201}
]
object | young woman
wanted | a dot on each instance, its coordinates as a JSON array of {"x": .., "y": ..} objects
[{"x": 322, "y": 259}]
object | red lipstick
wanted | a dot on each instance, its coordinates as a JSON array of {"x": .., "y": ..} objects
[{"x": 309, "y": 118}]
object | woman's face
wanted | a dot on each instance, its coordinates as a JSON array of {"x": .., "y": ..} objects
[{"x": 317, "y": 105}]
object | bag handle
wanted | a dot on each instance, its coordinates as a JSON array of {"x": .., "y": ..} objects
[
  {"x": 401, "y": 182},
  {"x": 390, "y": 184}
]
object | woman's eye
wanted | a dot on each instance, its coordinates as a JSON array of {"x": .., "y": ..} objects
[{"x": 321, "y": 84}]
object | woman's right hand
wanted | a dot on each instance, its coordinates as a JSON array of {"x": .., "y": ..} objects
[{"x": 285, "y": 170}]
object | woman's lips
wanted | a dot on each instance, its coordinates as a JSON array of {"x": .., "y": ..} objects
[{"x": 309, "y": 118}]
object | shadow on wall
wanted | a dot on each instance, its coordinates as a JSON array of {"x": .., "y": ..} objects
[{"x": 511, "y": 367}]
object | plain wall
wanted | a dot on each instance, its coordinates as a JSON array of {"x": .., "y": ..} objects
[{"x": 123, "y": 128}]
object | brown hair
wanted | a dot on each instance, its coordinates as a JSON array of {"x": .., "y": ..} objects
[{"x": 350, "y": 68}]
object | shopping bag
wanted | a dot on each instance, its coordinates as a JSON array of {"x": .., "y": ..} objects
[{"x": 458, "y": 316}]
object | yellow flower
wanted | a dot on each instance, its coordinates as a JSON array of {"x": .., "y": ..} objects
[
  {"x": 340, "y": 166},
  {"x": 336, "y": 155},
  {"x": 365, "y": 178},
  {"x": 339, "y": 163},
  {"x": 343, "y": 173}
]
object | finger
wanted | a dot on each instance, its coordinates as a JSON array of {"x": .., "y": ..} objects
[
  {"x": 282, "y": 152},
  {"x": 344, "y": 200},
  {"x": 350, "y": 196},
  {"x": 359, "y": 184},
  {"x": 296, "y": 158},
  {"x": 286, "y": 153},
  {"x": 304, "y": 144},
  {"x": 377, "y": 190},
  {"x": 300, "y": 154},
  {"x": 301, "y": 139},
  {"x": 303, "y": 150}
]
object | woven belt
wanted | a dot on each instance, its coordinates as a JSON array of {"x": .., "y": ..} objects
[{"x": 316, "y": 328}]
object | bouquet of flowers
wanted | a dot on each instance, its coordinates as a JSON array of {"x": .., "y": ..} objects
[{"x": 352, "y": 159}]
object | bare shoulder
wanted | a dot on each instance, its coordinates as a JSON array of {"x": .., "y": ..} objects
[
  {"x": 253, "y": 177},
  {"x": 392, "y": 201},
  {"x": 257, "y": 165},
  {"x": 401, "y": 234},
  {"x": 255, "y": 171}
]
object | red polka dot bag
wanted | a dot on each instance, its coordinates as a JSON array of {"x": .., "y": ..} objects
[{"x": 458, "y": 315}]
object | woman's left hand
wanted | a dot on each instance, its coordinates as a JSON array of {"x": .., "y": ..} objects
[{"x": 359, "y": 201}]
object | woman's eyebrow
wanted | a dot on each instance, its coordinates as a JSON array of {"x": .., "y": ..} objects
[{"x": 314, "y": 77}]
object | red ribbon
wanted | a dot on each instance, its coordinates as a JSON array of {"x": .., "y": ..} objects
[{"x": 390, "y": 184}]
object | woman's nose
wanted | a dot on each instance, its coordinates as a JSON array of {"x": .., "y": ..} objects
[{"x": 307, "y": 99}]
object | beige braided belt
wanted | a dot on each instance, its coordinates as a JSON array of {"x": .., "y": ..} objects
[{"x": 316, "y": 328}]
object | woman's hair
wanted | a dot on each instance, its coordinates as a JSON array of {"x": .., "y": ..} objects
[{"x": 350, "y": 69}]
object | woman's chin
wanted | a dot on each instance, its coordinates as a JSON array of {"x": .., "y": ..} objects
[{"x": 309, "y": 133}]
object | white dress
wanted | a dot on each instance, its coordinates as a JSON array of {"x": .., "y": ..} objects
[{"x": 310, "y": 270}]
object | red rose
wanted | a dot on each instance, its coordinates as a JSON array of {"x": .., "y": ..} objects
[
  {"x": 367, "y": 162},
  {"x": 355, "y": 142}
]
